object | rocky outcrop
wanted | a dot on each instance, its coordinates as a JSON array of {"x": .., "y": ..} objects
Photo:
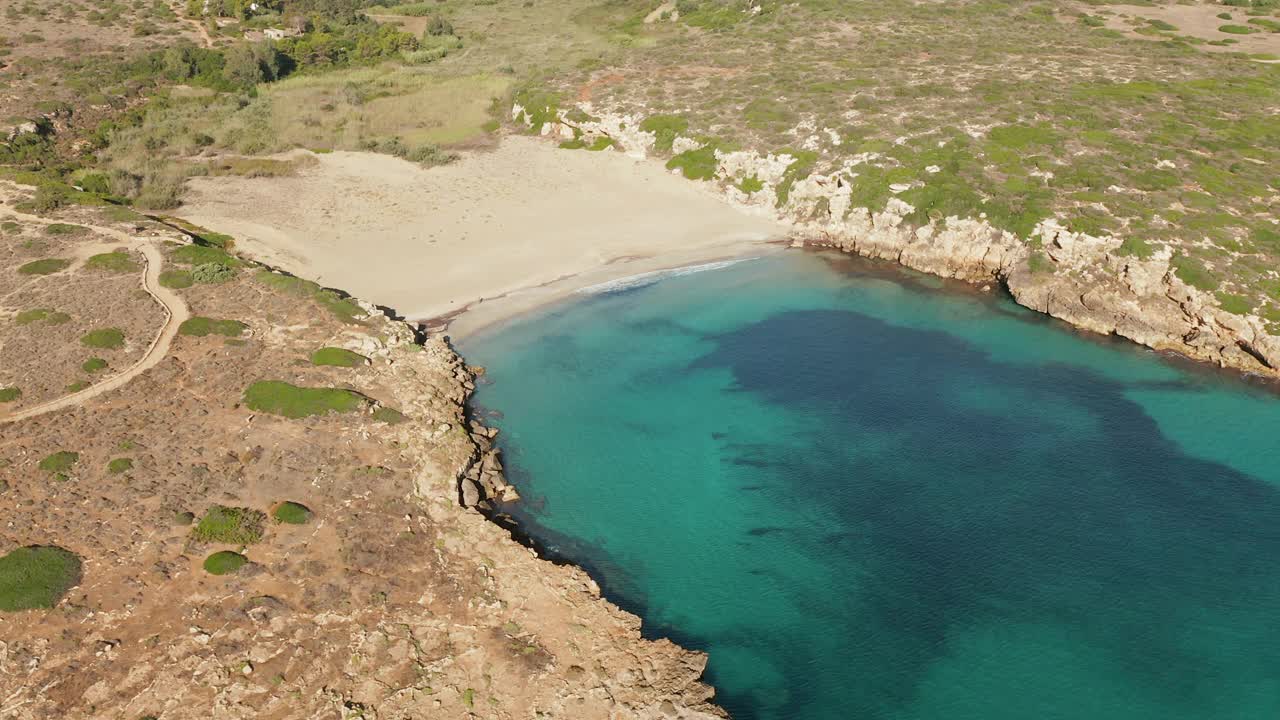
[{"x": 1077, "y": 278}]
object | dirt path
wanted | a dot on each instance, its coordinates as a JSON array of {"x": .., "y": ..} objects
[
  {"x": 175, "y": 309},
  {"x": 199, "y": 26}
]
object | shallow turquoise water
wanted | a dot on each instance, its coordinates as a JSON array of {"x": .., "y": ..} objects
[{"x": 867, "y": 498}]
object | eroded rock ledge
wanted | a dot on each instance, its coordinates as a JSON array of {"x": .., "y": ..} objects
[{"x": 1074, "y": 277}]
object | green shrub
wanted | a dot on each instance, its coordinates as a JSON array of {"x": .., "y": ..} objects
[
  {"x": 37, "y": 577},
  {"x": 751, "y": 185},
  {"x": 196, "y": 254},
  {"x": 224, "y": 562},
  {"x": 49, "y": 317},
  {"x": 104, "y": 338},
  {"x": 230, "y": 526},
  {"x": 184, "y": 518},
  {"x": 1192, "y": 272},
  {"x": 210, "y": 273},
  {"x": 59, "y": 462},
  {"x": 65, "y": 229},
  {"x": 390, "y": 416},
  {"x": 203, "y": 326},
  {"x": 176, "y": 279},
  {"x": 1265, "y": 24},
  {"x": 344, "y": 308},
  {"x": 9, "y": 394},
  {"x": 1136, "y": 247},
  {"x": 115, "y": 262},
  {"x": 77, "y": 386},
  {"x": 338, "y": 357},
  {"x": 665, "y": 129},
  {"x": 1235, "y": 304},
  {"x": 48, "y": 266},
  {"x": 292, "y": 513},
  {"x": 93, "y": 365},
  {"x": 1238, "y": 29},
  {"x": 120, "y": 465},
  {"x": 697, "y": 164},
  {"x": 281, "y": 398}
]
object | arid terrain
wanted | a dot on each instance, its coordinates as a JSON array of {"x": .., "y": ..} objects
[
  {"x": 229, "y": 491},
  {"x": 373, "y": 594}
]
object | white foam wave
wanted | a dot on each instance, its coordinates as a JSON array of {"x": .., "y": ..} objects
[{"x": 648, "y": 278}]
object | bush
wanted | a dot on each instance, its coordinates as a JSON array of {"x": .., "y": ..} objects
[
  {"x": 104, "y": 338},
  {"x": 439, "y": 26},
  {"x": 48, "y": 266},
  {"x": 1238, "y": 29},
  {"x": 114, "y": 262},
  {"x": 1193, "y": 273},
  {"x": 65, "y": 229},
  {"x": 698, "y": 164},
  {"x": 281, "y": 398},
  {"x": 50, "y": 197},
  {"x": 202, "y": 326},
  {"x": 390, "y": 416},
  {"x": 292, "y": 513},
  {"x": 120, "y": 465},
  {"x": 230, "y": 526},
  {"x": 338, "y": 357},
  {"x": 224, "y": 562},
  {"x": 60, "y": 462},
  {"x": 93, "y": 365},
  {"x": 176, "y": 279},
  {"x": 210, "y": 273},
  {"x": 665, "y": 129},
  {"x": 199, "y": 254},
  {"x": 9, "y": 394},
  {"x": 37, "y": 577}
]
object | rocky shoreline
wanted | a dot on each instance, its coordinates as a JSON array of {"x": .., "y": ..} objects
[{"x": 1074, "y": 277}]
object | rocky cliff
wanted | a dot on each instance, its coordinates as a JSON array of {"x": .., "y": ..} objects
[{"x": 1074, "y": 277}]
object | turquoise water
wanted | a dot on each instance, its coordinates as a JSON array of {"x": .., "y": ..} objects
[{"x": 868, "y": 498}]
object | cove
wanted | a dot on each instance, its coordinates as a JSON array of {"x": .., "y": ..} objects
[{"x": 869, "y": 496}]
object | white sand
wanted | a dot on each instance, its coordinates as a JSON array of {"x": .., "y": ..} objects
[{"x": 525, "y": 223}]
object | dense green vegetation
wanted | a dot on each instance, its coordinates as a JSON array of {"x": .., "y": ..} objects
[
  {"x": 224, "y": 562},
  {"x": 104, "y": 338},
  {"x": 292, "y": 513},
  {"x": 282, "y": 398},
  {"x": 113, "y": 262},
  {"x": 48, "y": 266},
  {"x": 93, "y": 365},
  {"x": 338, "y": 357},
  {"x": 9, "y": 394},
  {"x": 36, "y": 577},
  {"x": 230, "y": 526},
  {"x": 202, "y": 326}
]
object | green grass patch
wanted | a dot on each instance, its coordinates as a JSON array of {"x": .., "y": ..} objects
[
  {"x": 37, "y": 577},
  {"x": 93, "y": 365},
  {"x": 60, "y": 462},
  {"x": 281, "y": 398},
  {"x": 120, "y": 465},
  {"x": 104, "y": 338},
  {"x": 77, "y": 386},
  {"x": 1265, "y": 24},
  {"x": 1234, "y": 304},
  {"x": 65, "y": 229},
  {"x": 196, "y": 254},
  {"x": 1238, "y": 29},
  {"x": 1192, "y": 272},
  {"x": 1133, "y": 246},
  {"x": 751, "y": 185},
  {"x": 10, "y": 394},
  {"x": 1039, "y": 263},
  {"x": 47, "y": 266},
  {"x": 203, "y": 326},
  {"x": 697, "y": 164},
  {"x": 176, "y": 279},
  {"x": 292, "y": 513},
  {"x": 344, "y": 308},
  {"x": 113, "y": 262},
  {"x": 390, "y": 416},
  {"x": 665, "y": 129},
  {"x": 338, "y": 357},
  {"x": 1162, "y": 25},
  {"x": 230, "y": 526},
  {"x": 224, "y": 562},
  {"x": 43, "y": 315}
]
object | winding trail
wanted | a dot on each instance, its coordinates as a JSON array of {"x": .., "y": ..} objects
[
  {"x": 178, "y": 10},
  {"x": 175, "y": 309}
]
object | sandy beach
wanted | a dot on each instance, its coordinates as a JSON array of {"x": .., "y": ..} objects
[{"x": 494, "y": 233}]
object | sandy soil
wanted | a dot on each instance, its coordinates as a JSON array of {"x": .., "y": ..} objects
[
  {"x": 527, "y": 223},
  {"x": 1202, "y": 21}
]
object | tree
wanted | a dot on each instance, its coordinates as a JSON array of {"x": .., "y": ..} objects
[{"x": 439, "y": 26}]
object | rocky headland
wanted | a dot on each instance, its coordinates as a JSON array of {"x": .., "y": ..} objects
[{"x": 1072, "y": 276}]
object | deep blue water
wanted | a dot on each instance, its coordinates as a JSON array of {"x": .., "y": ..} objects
[{"x": 869, "y": 497}]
